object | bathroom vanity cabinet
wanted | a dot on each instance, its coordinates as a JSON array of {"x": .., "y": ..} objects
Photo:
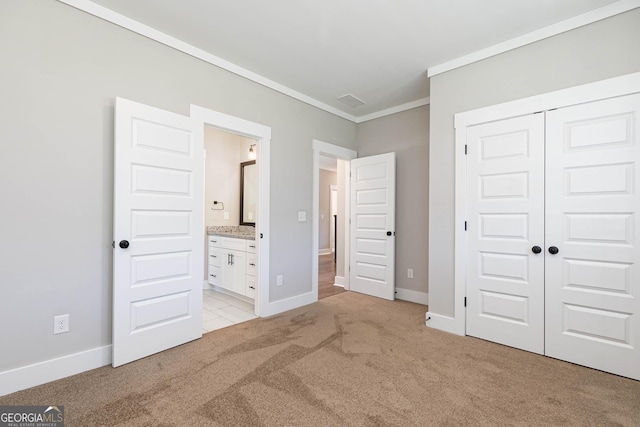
[{"x": 232, "y": 264}]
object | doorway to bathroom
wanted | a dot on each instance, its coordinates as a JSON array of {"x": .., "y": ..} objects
[{"x": 230, "y": 192}]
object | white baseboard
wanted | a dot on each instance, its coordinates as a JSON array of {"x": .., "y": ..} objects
[
  {"x": 277, "y": 307},
  {"x": 54, "y": 369},
  {"x": 232, "y": 294},
  {"x": 444, "y": 323},
  {"x": 325, "y": 251},
  {"x": 412, "y": 296},
  {"x": 339, "y": 281}
]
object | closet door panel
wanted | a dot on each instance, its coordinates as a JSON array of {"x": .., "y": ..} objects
[
  {"x": 592, "y": 284},
  {"x": 505, "y": 202}
]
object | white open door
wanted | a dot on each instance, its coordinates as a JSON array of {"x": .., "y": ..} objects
[
  {"x": 158, "y": 231},
  {"x": 373, "y": 207}
]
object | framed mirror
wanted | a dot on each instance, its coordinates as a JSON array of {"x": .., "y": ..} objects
[{"x": 248, "y": 192}]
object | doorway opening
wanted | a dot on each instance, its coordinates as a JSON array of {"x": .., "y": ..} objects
[
  {"x": 329, "y": 209},
  {"x": 331, "y": 235},
  {"x": 230, "y": 193}
]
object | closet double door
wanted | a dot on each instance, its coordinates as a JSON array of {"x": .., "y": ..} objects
[{"x": 553, "y": 262}]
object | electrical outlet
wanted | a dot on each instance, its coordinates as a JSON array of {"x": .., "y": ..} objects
[
  {"x": 410, "y": 273},
  {"x": 302, "y": 216},
  {"x": 279, "y": 280},
  {"x": 61, "y": 324},
  {"x": 226, "y": 215}
]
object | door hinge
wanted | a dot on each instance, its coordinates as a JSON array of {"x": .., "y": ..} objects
[
  {"x": 113, "y": 244},
  {"x": 261, "y": 235},
  {"x": 465, "y": 149},
  {"x": 465, "y": 226},
  {"x": 465, "y": 301}
]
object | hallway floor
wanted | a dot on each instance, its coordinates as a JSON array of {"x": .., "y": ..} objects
[{"x": 327, "y": 277}]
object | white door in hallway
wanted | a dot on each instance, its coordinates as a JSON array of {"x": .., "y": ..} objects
[
  {"x": 592, "y": 207},
  {"x": 505, "y": 232},
  {"x": 373, "y": 225},
  {"x": 158, "y": 231}
]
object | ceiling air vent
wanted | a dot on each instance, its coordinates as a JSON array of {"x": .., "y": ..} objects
[{"x": 351, "y": 100}]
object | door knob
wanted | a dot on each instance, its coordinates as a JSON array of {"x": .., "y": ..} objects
[
  {"x": 553, "y": 250},
  {"x": 388, "y": 233},
  {"x": 124, "y": 244},
  {"x": 536, "y": 249}
]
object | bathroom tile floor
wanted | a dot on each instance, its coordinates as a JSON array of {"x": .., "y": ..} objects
[{"x": 221, "y": 310}]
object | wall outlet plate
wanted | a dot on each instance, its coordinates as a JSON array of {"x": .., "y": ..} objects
[
  {"x": 279, "y": 281},
  {"x": 61, "y": 324},
  {"x": 302, "y": 216},
  {"x": 410, "y": 273},
  {"x": 226, "y": 215}
]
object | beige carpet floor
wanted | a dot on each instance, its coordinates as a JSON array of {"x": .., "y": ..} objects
[{"x": 347, "y": 360}]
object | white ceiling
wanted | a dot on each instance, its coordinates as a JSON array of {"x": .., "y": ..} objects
[{"x": 376, "y": 50}]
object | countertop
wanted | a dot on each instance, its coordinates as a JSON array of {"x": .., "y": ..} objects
[{"x": 237, "y": 231}]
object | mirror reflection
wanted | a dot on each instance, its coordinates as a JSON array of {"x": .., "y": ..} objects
[{"x": 248, "y": 192}]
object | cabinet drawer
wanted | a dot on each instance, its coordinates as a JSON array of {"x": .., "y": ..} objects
[
  {"x": 251, "y": 246},
  {"x": 215, "y": 241},
  {"x": 251, "y": 264},
  {"x": 251, "y": 287},
  {"x": 214, "y": 275},
  {"x": 215, "y": 256}
]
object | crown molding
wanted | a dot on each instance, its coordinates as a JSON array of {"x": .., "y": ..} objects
[
  {"x": 160, "y": 37},
  {"x": 587, "y": 18},
  {"x": 393, "y": 110}
]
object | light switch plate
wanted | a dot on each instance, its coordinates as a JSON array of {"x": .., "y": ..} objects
[
  {"x": 226, "y": 215},
  {"x": 302, "y": 216}
]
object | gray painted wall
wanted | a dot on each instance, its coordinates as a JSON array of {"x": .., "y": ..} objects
[
  {"x": 61, "y": 70},
  {"x": 407, "y": 134},
  {"x": 598, "y": 51}
]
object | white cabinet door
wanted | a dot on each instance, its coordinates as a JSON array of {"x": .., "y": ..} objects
[
  {"x": 505, "y": 203},
  {"x": 234, "y": 271},
  {"x": 593, "y": 282},
  {"x": 373, "y": 185},
  {"x": 158, "y": 223}
]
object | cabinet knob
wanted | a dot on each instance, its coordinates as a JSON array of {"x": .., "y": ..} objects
[
  {"x": 251, "y": 287},
  {"x": 553, "y": 250},
  {"x": 252, "y": 264},
  {"x": 536, "y": 249},
  {"x": 212, "y": 275},
  {"x": 124, "y": 244}
]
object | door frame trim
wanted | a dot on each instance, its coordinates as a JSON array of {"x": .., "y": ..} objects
[
  {"x": 608, "y": 88},
  {"x": 341, "y": 153},
  {"x": 262, "y": 135}
]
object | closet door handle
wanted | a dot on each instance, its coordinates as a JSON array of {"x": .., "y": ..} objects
[
  {"x": 536, "y": 249},
  {"x": 231, "y": 258},
  {"x": 553, "y": 250}
]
